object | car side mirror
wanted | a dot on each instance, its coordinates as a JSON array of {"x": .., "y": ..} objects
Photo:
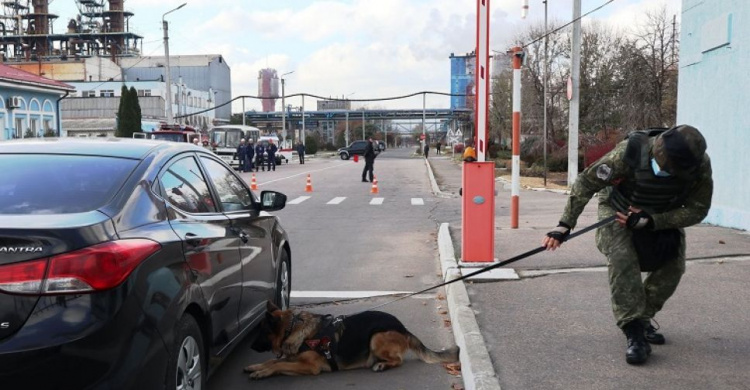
[{"x": 272, "y": 201}]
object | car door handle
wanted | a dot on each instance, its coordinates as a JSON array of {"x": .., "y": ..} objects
[{"x": 192, "y": 239}]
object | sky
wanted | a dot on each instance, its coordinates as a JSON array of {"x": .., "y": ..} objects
[{"x": 347, "y": 48}]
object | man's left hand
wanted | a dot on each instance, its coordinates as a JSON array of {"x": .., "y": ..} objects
[{"x": 635, "y": 219}]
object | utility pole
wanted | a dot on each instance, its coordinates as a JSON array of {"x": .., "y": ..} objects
[
  {"x": 574, "y": 98},
  {"x": 546, "y": 77},
  {"x": 167, "y": 74}
]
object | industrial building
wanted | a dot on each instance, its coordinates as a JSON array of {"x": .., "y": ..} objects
[
  {"x": 98, "y": 54},
  {"x": 209, "y": 73},
  {"x": 462, "y": 81}
]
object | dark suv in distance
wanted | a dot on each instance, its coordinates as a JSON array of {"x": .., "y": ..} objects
[
  {"x": 130, "y": 264},
  {"x": 358, "y": 148}
]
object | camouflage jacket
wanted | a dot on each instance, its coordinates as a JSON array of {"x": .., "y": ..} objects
[{"x": 611, "y": 170}]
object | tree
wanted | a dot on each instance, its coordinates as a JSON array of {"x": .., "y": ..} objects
[
  {"x": 311, "y": 144},
  {"x": 128, "y": 114},
  {"x": 137, "y": 113}
]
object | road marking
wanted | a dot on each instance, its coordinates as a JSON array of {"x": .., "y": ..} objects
[
  {"x": 377, "y": 201},
  {"x": 298, "y": 200},
  {"x": 344, "y": 294},
  {"x": 300, "y": 174},
  {"x": 336, "y": 200},
  {"x": 417, "y": 202}
]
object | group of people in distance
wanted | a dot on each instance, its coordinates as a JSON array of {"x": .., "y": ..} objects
[{"x": 251, "y": 156}]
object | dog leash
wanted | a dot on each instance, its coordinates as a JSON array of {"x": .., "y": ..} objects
[{"x": 496, "y": 265}]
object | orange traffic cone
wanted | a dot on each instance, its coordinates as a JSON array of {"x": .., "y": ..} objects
[
  {"x": 253, "y": 184},
  {"x": 308, "y": 187},
  {"x": 374, "y": 189}
]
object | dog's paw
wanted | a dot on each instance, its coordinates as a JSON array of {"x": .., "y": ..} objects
[
  {"x": 251, "y": 368},
  {"x": 260, "y": 374},
  {"x": 378, "y": 367}
]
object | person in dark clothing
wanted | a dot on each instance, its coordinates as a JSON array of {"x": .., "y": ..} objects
[
  {"x": 241, "y": 152},
  {"x": 426, "y": 149},
  {"x": 656, "y": 183},
  {"x": 301, "y": 152},
  {"x": 437, "y": 148},
  {"x": 249, "y": 155},
  {"x": 271, "y": 150},
  {"x": 260, "y": 150},
  {"x": 369, "y": 160}
]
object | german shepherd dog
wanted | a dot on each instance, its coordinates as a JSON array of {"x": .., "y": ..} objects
[{"x": 308, "y": 344}]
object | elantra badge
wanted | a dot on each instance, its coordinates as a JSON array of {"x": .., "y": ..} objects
[{"x": 21, "y": 249}]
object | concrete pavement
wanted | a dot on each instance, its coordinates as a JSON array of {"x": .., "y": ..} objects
[{"x": 553, "y": 327}]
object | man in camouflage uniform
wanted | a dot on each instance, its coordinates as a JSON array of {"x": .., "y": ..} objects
[{"x": 655, "y": 183}]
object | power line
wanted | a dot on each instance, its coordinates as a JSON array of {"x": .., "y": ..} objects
[{"x": 565, "y": 25}]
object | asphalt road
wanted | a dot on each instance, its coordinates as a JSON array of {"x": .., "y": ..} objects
[{"x": 351, "y": 250}]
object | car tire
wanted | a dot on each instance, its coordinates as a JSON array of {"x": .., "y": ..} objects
[
  {"x": 344, "y": 156},
  {"x": 283, "y": 282},
  {"x": 187, "y": 358}
]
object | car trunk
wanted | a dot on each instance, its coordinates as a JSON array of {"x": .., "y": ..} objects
[{"x": 26, "y": 242}]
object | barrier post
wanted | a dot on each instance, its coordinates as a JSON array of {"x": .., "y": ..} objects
[
  {"x": 478, "y": 190},
  {"x": 515, "y": 190}
]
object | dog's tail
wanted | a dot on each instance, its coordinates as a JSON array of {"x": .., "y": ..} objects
[{"x": 429, "y": 356}]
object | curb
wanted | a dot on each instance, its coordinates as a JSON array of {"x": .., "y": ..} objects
[
  {"x": 433, "y": 183},
  {"x": 477, "y": 370}
]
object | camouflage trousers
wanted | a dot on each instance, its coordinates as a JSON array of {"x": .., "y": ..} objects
[{"x": 632, "y": 296}]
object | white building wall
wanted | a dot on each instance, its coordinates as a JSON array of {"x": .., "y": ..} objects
[{"x": 713, "y": 96}]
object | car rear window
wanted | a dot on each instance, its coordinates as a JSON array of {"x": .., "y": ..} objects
[{"x": 59, "y": 184}]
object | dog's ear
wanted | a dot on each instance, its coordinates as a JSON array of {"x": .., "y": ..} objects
[{"x": 270, "y": 307}]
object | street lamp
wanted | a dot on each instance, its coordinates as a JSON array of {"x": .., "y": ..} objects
[
  {"x": 283, "y": 106},
  {"x": 165, "y": 25}
]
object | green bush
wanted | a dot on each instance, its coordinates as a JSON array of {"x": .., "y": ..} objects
[{"x": 311, "y": 145}]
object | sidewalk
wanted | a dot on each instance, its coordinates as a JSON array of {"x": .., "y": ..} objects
[{"x": 553, "y": 328}]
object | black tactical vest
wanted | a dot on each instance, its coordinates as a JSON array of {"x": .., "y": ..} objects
[{"x": 648, "y": 192}]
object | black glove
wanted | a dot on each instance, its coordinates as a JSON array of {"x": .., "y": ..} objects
[
  {"x": 639, "y": 220},
  {"x": 560, "y": 233}
]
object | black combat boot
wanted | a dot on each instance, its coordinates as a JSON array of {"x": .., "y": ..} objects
[
  {"x": 651, "y": 335},
  {"x": 638, "y": 347}
]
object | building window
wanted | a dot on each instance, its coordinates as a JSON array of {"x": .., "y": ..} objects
[
  {"x": 107, "y": 93},
  {"x": 19, "y": 127},
  {"x": 144, "y": 92},
  {"x": 89, "y": 94},
  {"x": 34, "y": 127},
  {"x": 48, "y": 126}
]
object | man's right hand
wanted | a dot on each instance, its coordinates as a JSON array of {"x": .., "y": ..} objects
[{"x": 556, "y": 237}]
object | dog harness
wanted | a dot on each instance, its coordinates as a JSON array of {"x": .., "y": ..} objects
[{"x": 325, "y": 342}]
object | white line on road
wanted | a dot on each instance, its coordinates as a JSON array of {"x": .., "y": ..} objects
[
  {"x": 377, "y": 201},
  {"x": 299, "y": 174},
  {"x": 417, "y": 202},
  {"x": 336, "y": 200},
  {"x": 344, "y": 294},
  {"x": 298, "y": 200}
]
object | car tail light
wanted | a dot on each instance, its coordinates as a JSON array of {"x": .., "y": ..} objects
[
  {"x": 96, "y": 268},
  {"x": 23, "y": 278}
]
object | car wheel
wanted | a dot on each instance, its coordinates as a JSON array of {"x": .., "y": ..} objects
[
  {"x": 284, "y": 282},
  {"x": 187, "y": 358},
  {"x": 344, "y": 156}
]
